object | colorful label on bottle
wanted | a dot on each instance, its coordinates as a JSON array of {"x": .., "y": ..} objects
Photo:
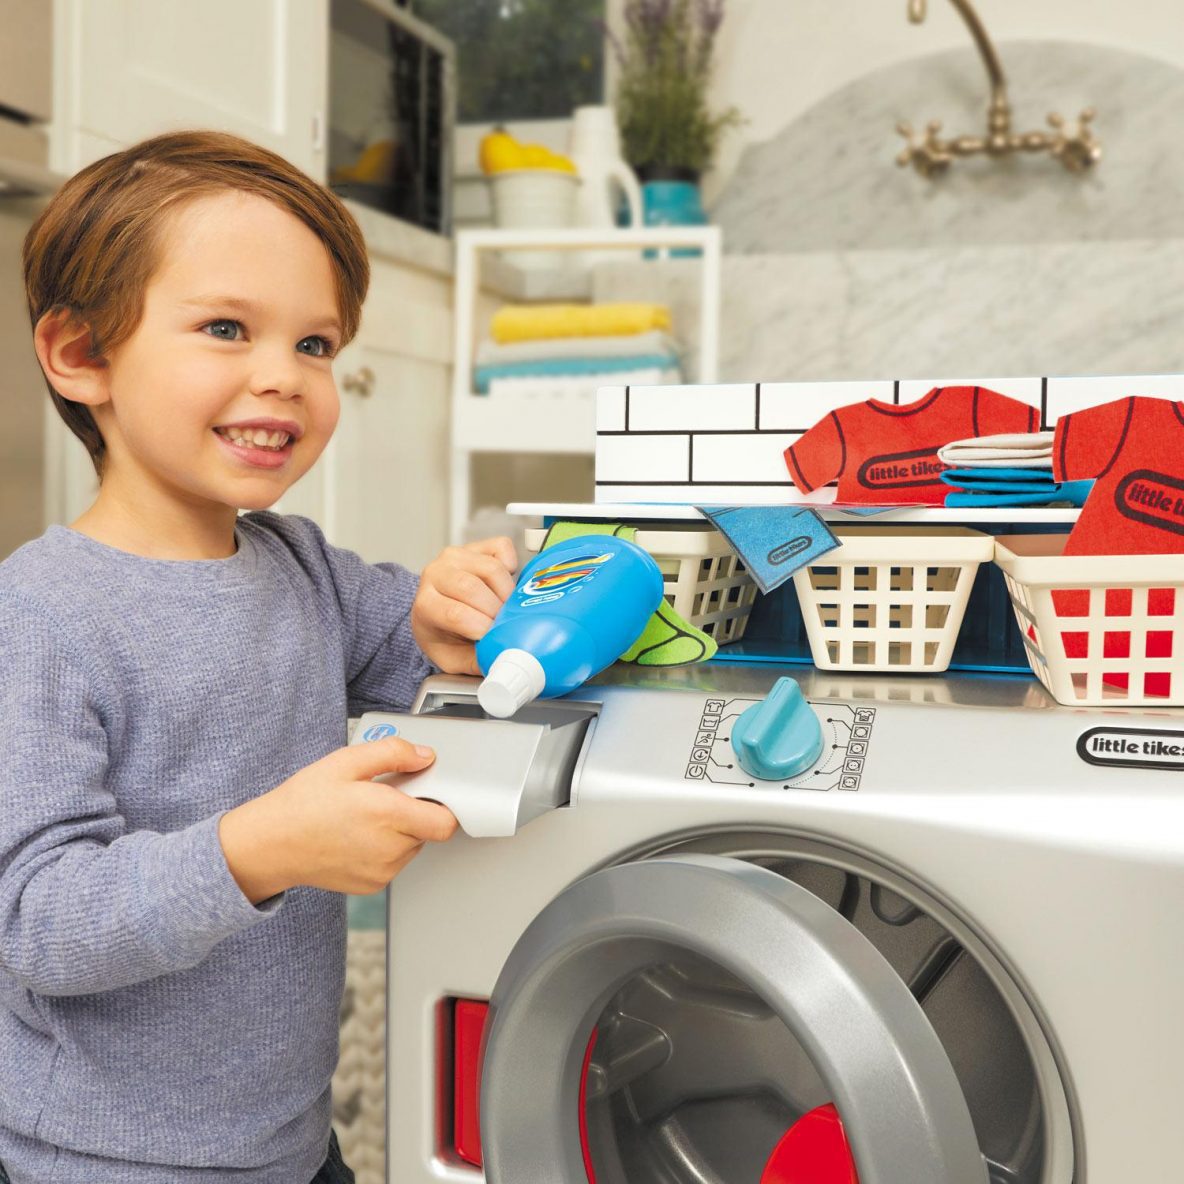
[{"x": 557, "y": 580}]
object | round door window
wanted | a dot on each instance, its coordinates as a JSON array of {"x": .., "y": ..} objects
[{"x": 700, "y": 1071}]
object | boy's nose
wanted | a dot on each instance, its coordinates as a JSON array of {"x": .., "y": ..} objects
[{"x": 276, "y": 372}]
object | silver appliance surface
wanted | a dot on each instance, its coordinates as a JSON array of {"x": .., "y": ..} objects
[{"x": 1017, "y": 864}]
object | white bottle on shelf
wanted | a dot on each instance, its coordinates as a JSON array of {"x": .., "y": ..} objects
[{"x": 595, "y": 149}]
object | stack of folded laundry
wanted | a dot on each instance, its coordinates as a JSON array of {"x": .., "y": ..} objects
[
  {"x": 557, "y": 344},
  {"x": 1008, "y": 470}
]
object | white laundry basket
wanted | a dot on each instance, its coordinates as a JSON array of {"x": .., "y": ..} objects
[
  {"x": 1099, "y": 630},
  {"x": 703, "y": 578},
  {"x": 890, "y": 598}
]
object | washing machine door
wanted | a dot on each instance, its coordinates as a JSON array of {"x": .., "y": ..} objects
[{"x": 903, "y": 1111}]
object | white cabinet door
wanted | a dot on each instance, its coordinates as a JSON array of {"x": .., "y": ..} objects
[
  {"x": 385, "y": 485},
  {"x": 258, "y": 69}
]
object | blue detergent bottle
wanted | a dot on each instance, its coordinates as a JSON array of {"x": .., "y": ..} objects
[{"x": 578, "y": 606}]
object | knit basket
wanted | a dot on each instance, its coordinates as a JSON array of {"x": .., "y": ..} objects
[
  {"x": 890, "y": 599},
  {"x": 359, "y": 1083},
  {"x": 1098, "y": 629},
  {"x": 702, "y": 577}
]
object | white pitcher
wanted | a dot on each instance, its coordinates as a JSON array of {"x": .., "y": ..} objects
[{"x": 595, "y": 150}]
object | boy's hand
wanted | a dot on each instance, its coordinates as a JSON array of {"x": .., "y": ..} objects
[
  {"x": 460, "y": 593},
  {"x": 330, "y": 826}
]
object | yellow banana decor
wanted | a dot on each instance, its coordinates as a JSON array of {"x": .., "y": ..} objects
[{"x": 499, "y": 152}]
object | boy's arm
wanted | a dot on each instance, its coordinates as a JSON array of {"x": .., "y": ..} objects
[
  {"x": 86, "y": 904},
  {"x": 383, "y": 664}
]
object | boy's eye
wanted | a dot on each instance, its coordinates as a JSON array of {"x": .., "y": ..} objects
[
  {"x": 326, "y": 346},
  {"x": 218, "y": 324},
  {"x": 326, "y": 350}
]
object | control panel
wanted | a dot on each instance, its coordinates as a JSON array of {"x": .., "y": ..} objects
[{"x": 807, "y": 744}]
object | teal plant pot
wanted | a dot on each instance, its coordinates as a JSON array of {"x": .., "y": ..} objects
[{"x": 673, "y": 203}]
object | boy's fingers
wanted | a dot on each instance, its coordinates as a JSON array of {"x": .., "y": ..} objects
[
  {"x": 470, "y": 565},
  {"x": 453, "y": 616},
  {"x": 473, "y": 588},
  {"x": 391, "y": 754},
  {"x": 421, "y": 818},
  {"x": 500, "y": 548}
]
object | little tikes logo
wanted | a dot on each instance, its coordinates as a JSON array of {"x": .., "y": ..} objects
[
  {"x": 379, "y": 731},
  {"x": 788, "y": 550},
  {"x": 898, "y": 470},
  {"x": 1155, "y": 499},
  {"x": 550, "y": 583}
]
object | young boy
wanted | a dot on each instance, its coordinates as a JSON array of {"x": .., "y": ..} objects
[{"x": 179, "y": 817}]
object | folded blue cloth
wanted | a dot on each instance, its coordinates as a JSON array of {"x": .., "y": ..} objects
[
  {"x": 1000, "y": 480},
  {"x": 572, "y": 367},
  {"x": 1073, "y": 492},
  {"x": 773, "y": 541}
]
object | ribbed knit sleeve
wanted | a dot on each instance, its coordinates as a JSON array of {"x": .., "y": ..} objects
[
  {"x": 87, "y": 905},
  {"x": 384, "y": 665}
]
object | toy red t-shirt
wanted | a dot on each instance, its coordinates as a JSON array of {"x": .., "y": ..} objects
[
  {"x": 1135, "y": 449},
  {"x": 883, "y": 453}
]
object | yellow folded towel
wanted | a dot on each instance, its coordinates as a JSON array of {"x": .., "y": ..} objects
[{"x": 533, "y": 322}]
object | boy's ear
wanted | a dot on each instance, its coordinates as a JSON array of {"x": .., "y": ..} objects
[{"x": 63, "y": 348}]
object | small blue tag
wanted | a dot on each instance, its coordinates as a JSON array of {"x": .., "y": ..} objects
[
  {"x": 379, "y": 731},
  {"x": 773, "y": 541}
]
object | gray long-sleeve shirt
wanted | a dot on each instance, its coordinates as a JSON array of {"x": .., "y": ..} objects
[{"x": 155, "y": 1026}]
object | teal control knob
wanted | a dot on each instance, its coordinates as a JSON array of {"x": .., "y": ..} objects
[{"x": 779, "y": 737}]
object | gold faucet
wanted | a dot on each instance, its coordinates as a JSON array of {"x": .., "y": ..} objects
[{"x": 931, "y": 155}]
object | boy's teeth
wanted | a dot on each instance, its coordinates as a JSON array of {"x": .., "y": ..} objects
[{"x": 256, "y": 437}]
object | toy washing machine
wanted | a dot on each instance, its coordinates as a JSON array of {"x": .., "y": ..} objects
[{"x": 945, "y": 951}]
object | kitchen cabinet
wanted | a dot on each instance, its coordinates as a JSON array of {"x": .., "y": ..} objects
[
  {"x": 259, "y": 70},
  {"x": 24, "y": 400}
]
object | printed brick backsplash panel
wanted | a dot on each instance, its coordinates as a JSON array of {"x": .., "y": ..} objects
[{"x": 724, "y": 443}]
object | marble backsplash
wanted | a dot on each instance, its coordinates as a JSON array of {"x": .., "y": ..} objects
[
  {"x": 839, "y": 265},
  {"x": 828, "y": 180},
  {"x": 1063, "y": 308}
]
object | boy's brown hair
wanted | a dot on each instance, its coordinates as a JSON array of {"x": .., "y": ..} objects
[{"x": 95, "y": 246}]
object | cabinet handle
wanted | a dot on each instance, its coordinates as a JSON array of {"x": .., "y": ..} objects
[{"x": 361, "y": 381}]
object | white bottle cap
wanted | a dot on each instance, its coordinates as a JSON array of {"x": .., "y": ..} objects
[{"x": 515, "y": 678}]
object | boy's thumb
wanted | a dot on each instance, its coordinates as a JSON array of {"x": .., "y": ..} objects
[{"x": 391, "y": 754}]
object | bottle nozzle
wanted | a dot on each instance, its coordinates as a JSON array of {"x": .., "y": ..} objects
[{"x": 515, "y": 679}]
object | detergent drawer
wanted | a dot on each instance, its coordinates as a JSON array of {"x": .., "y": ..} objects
[{"x": 494, "y": 775}]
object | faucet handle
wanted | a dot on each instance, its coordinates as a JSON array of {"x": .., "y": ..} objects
[
  {"x": 1080, "y": 150},
  {"x": 930, "y": 156}
]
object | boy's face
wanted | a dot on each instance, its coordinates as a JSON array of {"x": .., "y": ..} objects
[{"x": 197, "y": 363}]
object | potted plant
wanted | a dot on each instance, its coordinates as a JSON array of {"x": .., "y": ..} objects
[{"x": 668, "y": 134}]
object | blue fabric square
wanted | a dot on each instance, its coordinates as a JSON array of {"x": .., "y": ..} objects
[{"x": 773, "y": 541}]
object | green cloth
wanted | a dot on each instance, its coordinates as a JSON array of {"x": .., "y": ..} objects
[{"x": 668, "y": 639}]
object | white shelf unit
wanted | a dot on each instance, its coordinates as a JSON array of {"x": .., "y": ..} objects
[
  {"x": 559, "y": 417},
  {"x": 679, "y": 512}
]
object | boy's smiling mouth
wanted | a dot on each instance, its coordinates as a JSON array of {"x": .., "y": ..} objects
[
  {"x": 255, "y": 437},
  {"x": 261, "y": 443}
]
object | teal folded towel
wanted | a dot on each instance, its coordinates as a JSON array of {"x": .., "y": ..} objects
[
  {"x": 1071, "y": 493},
  {"x": 573, "y": 367},
  {"x": 1000, "y": 480}
]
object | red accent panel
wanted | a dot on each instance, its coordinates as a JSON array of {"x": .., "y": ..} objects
[
  {"x": 584, "y": 1148},
  {"x": 467, "y": 1025},
  {"x": 813, "y": 1151}
]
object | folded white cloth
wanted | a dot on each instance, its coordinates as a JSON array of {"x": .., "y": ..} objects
[
  {"x": 575, "y": 384},
  {"x": 493, "y": 353},
  {"x": 1012, "y": 450}
]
